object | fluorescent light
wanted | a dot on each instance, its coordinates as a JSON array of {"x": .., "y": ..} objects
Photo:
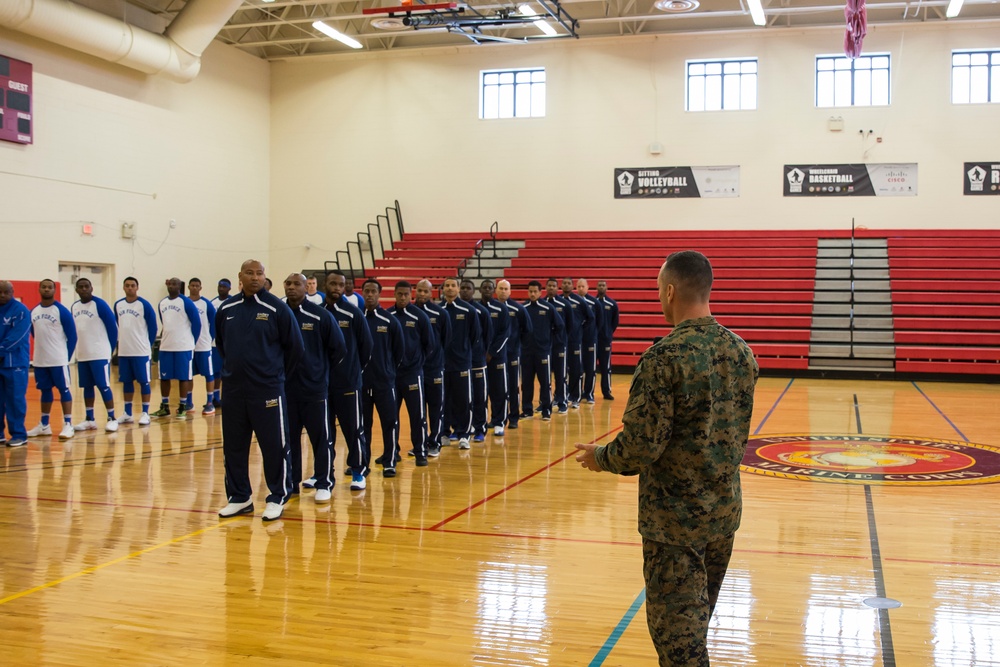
[
  {"x": 539, "y": 22},
  {"x": 757, "y": 12},
  {"x": 337, "y": 35},
  {"x": 954, "y": 7}
]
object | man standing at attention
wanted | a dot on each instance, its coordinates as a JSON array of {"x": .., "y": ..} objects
[
  {"x": 480, "y": 387},
  {"x": 416, "y": 326},
  {"x": 388, "y": 351},
  {"x": 55, "y": 340},
  {"x": 15, "y": 328},
  {"x": 97, "y": 335},
  {"x": 557, "y": 359},
  {"x": 684, "y": 433},
  {"x": 203, "y": 347},
  {"x": 136, "y": 335},
  {"x": 574, "y": 342},
  {"x": 546, "y": 326},
  {"x": 181, "y": 328},
  {"x": 308, "y": 386},
  {"x": 434, "y": 366},
  {"x": 311, "y": 293},
  {"x": 496, "y": 371},
  {"x": 589, "y": 340},
  {"x": 465, "y": 333},
  {"x": 519, "y": 329},
  {"x": 605, "y": 334},
  {"x": 259, "y": 340}
]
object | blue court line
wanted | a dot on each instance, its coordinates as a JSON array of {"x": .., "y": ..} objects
[
  {"x": 616, "y": 634},
  {"x": 763, "y": 421},
  {"x": 940, "y": 412}
]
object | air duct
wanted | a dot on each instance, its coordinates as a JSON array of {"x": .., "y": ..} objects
[{"x": 176, "y": 54}]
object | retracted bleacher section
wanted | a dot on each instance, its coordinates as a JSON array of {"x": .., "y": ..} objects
[{"x": 942, "y": 296}]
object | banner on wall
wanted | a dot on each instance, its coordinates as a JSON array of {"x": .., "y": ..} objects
[
  {"x": 982, "y": 178},
  {"x": 672, "y": 182},
  {"x": 850, "y": 180}
]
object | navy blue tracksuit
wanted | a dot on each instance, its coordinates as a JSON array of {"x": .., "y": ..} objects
[
  {"x": 379, "y": 377},
  {"x": 520, "y": 328},
  {"x": 557, "y": 359},
  {"x": 589, "y": 347},
  {"x": 496, "y": 370},
  {"x": 259, "y": 340},
  {"x": 308, "y": 389},
  {"x": 605, "y": 334},
  {"x": 546, "y": 326},
  {"x": 346, "y": 381},
  {"x": 465, "y": 332},
  {"x": 434, "y": 372},
  {"x": 479, "y": 363},
  {"x": 574, "y": 342},
  {"x": 419, "y": 338}
]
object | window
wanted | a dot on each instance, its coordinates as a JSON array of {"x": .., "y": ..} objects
[
  {"x": 862, "y": 82},
  {"x": 975, "y": 77},
  {"x": 717, "y": 85},
  {"x": 514, "y": 93}
]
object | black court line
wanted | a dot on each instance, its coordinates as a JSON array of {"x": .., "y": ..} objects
[
  {"x": 773, "y": 407},
  {"x": 884, "y": 627}
]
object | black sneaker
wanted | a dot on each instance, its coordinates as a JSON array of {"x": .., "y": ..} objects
[
  {"x": 421, "y": 461},
  {"x": 389, "y": 472},
  {"x": 182, "y": 411},
  {"x": 380, "y": 460},
  {"x": 164, "y": 411},
  {"x": 527, "y": 414}
]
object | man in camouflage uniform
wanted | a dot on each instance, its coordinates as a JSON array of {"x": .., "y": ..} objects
[{"x": 685, "y": 431}]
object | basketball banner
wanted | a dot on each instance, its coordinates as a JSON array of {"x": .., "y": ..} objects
[
  {"x": 675, "y": 182},
  {"x": 850, "y": 180},
  {"x": 982, "y": 178}
]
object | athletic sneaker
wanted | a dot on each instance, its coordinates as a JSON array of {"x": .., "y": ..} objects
[
  {"x": 463, "y": 443},
  {"x": 498, "y": 431},
  {"x": 323, "y": 495},
  {"x": 527, "y": 414},
  {"x": 575, "y": 405},
  {"x": 17, "y": 442},
  {"x": 67, "y": 432},
  {"x": 389, "y": 472},
  {"x": 309, "y": 483},
  {"x": 358, "y": 482},
  {"x": 41, "y": 429},
  {"x": 235, "y": 509},
  {"x": 412, "y": 452},
  {"x": 479, "y": 437},
  {"x": 563, "y": 410},
  {"x": 125, "y": 419},
  {"x": 144, "y": 419},
  {"x": 164, "y": 411},
  {"x": 209, "y": 409},
  {"x": 111, "y": 426},
  {"x": 272, "y": 511},
  {"x": 421, "y": 461},
  {"x": 546, "y": 418},
  {"x": 86, "y": 425},
  {"x": 182, "y": 411},
  {"x": 433, "y": 452}
]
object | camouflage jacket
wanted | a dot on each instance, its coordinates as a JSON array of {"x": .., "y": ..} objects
[{"x": 685, "y": 431}]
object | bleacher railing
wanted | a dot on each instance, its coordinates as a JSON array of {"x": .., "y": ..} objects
[
  {"x": 364, "y": 245},
  {"x": 478, "y": 250}
]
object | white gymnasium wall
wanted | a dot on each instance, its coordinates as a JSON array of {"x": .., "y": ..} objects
[
  {"x": 351, "y": 134},
  {"x": 107, "y": 139}
]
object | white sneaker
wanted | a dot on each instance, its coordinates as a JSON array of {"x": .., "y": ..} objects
[
  {"x": 235, "y": 509},
  {"x": 111, "y": 426},
  {"x": 86, "y": 426},
  {"x": 498, "y": 431},
  {"x": 358, "y": 482},
  {"x": 323, "y": 495},
  {"x": 463, "y": 443},
  {"x": 125, "y": 419},
  {"x": 41, "y": 429},
  {"x": 67, "y": 432},
  {"x": 144, "y": 419},
  {"x": 17, "y": 442},
  {"x": 272, "y": 511},
  {"x": 309, "y": 483}
]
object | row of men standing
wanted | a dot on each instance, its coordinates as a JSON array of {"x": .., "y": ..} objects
[{"x": 443, "y": 360}]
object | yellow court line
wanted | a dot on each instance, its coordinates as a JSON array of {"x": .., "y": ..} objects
[{"x": 95, "y": 568}]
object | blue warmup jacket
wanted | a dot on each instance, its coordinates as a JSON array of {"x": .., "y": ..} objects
[
  {"x": 545, "y": 326},
  {"x": 595, "y": 323},
  {"x": 465, "y": 332},
  {"x": 566, "y": 313},
  {"x": 574, "y": 334},
  {"x": 520, "y": 328},
  {"x": 419, "y": 339},
  {"x": 323, "y": 349},
  {"x": 441, "y": 328},
  {"x": 15, "y": 325},
  {"x": 357, "y": 346},
  {"x": 259, "y": 340},
  {"x": 388, "y": 349},
  {"x": 485, "y": 336},
  {"x": 500, "y": 328},
  {"x": 609, "y": 321}
]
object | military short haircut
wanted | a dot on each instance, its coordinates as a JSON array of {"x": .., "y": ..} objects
[
  {"x": 535, "y": 283},
  {"x": 404, "y": 284},
  {"x": 132, "y": 278},
  {"x": 467, "y": 281},
  {"x": 374, "y": 282},
  {"x": 692, "y": 271}
]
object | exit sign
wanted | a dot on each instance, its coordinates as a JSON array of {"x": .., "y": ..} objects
[{"x": 15, "y": 100}]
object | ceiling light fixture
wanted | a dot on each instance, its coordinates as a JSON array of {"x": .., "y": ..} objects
[
  {"x": 757, "y": 12},
  {"x": 337, "y": 35},
  {"x": 954, "y": 7},
  {"x": 539, "y": 22},
  {"x": 676, "y": 6}
]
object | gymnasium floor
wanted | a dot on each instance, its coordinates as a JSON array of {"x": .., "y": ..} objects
[{"x": 511, "y": 554}]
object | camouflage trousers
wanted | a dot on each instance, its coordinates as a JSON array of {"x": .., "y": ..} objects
[{"x": 682, "y": 587}]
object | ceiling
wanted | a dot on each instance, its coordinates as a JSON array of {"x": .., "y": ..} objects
[{"x": 283, "y": 29}]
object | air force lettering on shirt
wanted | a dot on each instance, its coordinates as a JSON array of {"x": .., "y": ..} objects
[
  {"x": 131, "y": 311},
  {"x": 172, "y": 306},
  {"x": 79, "y": 312}
]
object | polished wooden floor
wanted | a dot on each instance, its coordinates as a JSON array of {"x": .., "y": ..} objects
[{"x": 509, "y": 554}]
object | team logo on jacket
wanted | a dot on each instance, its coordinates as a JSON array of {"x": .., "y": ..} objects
[
  {"x": 263, "y": 316},
  {"x": 411, "y": 324},
  {"x": 460, "y": 316},
  {"x": 382, "y": 328},
  {"x": 883, "y": 460},
  {"x": 271, "y": 403},
  {"x": 307, "y": 326}
]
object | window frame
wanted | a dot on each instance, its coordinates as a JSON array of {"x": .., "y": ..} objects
[
  {"x": 706, "y": 63},
  {"x": 837, "y": 58},
  {"x": 992, "y": 74},
  {"x": 533, "y": 86}
]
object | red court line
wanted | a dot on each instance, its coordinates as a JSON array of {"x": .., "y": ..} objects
[{"x": 520, "y": 481}]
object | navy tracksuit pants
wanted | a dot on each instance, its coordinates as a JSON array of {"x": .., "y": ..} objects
[
  {"x": 574, "y": 372},
  {"x": 347, "y": 410},
  {"x": 536, "y": 366},
  {"x": 513, "y": 390},
  {"x": 266, "y": 418},
  {"x": 410, "y": 390},
  {"x": 458, "y": 395},
  {"x": 604, "y": 366},
  {"x": 434, "y": 395},
  {"x": 589, "y": 363},
  {"x": 480, "y": 392},
  {"x": 558, "y": 362},
  {"x": 383, "y": 398},
  {"x": 496, "y": 375},
  {"x": 313, "y": 416}
]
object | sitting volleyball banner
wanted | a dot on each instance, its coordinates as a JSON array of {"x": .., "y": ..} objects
[
  {"x": 675, "y": 182},
  {"x": 850, "y": 180}
]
